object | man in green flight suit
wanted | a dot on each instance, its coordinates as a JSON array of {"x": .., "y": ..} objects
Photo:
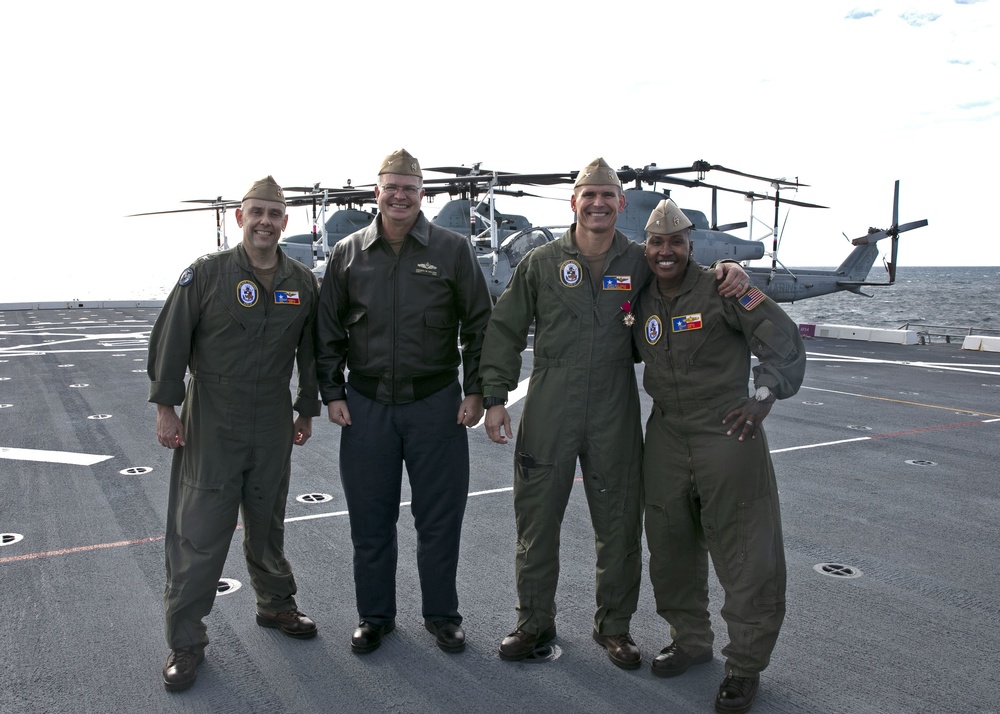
[
  {"x": 582, "y": 403},
  {"x": 239, "y": 319}
]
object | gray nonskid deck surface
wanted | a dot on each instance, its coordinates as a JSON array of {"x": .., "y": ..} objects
[{"x": 899, "y": 483}]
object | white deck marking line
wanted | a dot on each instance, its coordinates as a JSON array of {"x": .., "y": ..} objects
[
  {"x": 45, "y": 347},
  {"x": 52, "y": 457},
  {"x": 825, "y": 443},
  {"x": 991, "y": 369}
]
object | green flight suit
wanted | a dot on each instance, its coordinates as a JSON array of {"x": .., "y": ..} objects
[
  {"x": 582, "y": 403},
  {"x": 706, "y": 492},
  {"x": 240, "y": 342}
]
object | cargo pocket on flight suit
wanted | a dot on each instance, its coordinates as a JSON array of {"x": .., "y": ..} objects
[
  {"x": 758, "y": 553},
  {"x": 533, "y": 503}
]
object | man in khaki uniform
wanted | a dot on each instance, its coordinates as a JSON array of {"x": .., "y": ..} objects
[
  {"x": 707, "y": 475},
  {"x": 239, "y": 319},
  {"x": 582, "y": 403}
]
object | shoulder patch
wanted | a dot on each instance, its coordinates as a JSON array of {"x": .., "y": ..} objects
[
  {"x": 751, "y": 298},
  {"x": 186, "y": 277}
]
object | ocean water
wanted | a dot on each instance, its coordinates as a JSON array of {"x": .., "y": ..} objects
[{"x": 962, "y": 297}]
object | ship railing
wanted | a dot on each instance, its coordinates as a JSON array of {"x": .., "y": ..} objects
[{"x": 927, "y": 333}]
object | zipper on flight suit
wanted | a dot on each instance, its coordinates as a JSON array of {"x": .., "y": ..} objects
[{"x": 668, "y": 330}]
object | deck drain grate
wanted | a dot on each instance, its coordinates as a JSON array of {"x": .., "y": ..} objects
[
  {"x": 78, "y": 386},
  {"x": 227, "y": 586},
  {"x": 10, "y": 538},
  {"x": 858, "y": 427},
  {"x": 6, "y": 406},
  {"x": 814, "y": 404},
  {"x": 921, "y": 462},
  {"x": 99, "y": 416},
  {"x": 136, "y": 470},
  {"x": 314, "y": 498},
  {"x": 837, "y": 570}
]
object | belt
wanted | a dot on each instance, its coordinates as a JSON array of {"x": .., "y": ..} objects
[{"x": 403, "y": 390}]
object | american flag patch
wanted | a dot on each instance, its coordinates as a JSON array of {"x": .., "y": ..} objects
[
  {"x": 286, "y": 297},
  {"x": 686, "y": 322},
  {"x": 752, "y": 298}
]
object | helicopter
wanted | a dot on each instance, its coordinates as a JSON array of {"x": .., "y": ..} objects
[
  {"x": 710, "y": 241},
  {"x": 851, "y": 275},
  {"x": 501, "y": 240}
]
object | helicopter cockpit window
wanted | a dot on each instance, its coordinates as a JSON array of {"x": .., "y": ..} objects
[{"x": 516, "y": 247}]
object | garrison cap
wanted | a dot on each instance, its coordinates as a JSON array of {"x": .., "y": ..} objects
[
  {"x": 400, "y": 162},
  {"x": 266, "y": 189},
  {"x": 667, "y": 218},
  {"x": 597, "y": 172}
]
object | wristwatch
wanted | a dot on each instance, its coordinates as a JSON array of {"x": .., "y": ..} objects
[
  {"x": 764, "y": 395},
  {"x": 493, "y": 402}
]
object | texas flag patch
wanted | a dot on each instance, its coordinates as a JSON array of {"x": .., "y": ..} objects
[
  {"x": 286, "y": 297},
  {"x": 617, "y": 282},
  {"x": 686, "y": 322}
]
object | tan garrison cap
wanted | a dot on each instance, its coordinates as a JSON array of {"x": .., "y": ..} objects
[
  {"x": 400, "y": 162},
  {"x": 266, "y": 189},
  {"x": 667, "y": 218},
  {"x": 597, "y": 172}
]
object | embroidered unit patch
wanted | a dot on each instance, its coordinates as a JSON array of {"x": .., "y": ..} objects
[
  {"x": 654, "y": 329},
  {"x": 286, "y": 297},
  {"x": 246, "y": 293},
  {"x": 570, "y": 273}
]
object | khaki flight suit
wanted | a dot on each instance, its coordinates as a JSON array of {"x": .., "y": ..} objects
[
  {"x": 706, "y": 492},
  {"x": 240, "y": 342},
  {"x": 582, "y": 403}
]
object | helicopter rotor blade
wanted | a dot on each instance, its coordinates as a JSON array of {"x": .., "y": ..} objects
[{"x": 911, "y": 225}]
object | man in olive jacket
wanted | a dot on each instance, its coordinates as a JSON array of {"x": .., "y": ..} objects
[{"x": 239, "y": 319}]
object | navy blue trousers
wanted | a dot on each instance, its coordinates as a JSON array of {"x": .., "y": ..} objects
[{"x": 426, "y": 437}]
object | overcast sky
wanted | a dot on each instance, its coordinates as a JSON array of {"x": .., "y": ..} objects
[{"x": 118, "y": 108}]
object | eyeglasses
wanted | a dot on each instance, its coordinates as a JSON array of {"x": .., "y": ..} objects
[{"x": 392, "y": 188}]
